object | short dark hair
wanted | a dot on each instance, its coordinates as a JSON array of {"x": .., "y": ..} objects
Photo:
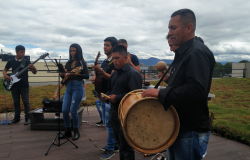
[
  {"x": 121, "y": 50},
  {"x": 122, "y": 41},
  {"x": 186, "y": 16},
  {"x": 112, "y": 40},
  {"x": 19, "y": 48}
]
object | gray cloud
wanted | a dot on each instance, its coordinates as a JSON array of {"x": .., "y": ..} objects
[{"x": 53, "y": 25}]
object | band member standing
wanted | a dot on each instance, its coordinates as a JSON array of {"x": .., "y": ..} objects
[
  {"x": 105, "y": 71},
  {"x": 188, "y": 87},
  {"x": 123, "y": 80},
  {"x": 21, "y": 87},
  {"x": 132, "y": 59},
  {"x": 74, "y": 90}
]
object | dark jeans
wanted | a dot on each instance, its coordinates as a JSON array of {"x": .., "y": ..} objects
[
  {"x": 189, "y": 145},
  {"x": 24, "y": 92},
  {"x": 125, "y": 151}
]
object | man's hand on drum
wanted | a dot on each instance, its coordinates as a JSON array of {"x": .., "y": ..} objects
[
  {"x": 112, "y": 98},
  {"x": 152, "y": 92}
]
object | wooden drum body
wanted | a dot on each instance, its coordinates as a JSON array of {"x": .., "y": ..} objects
[{"x": 147, "y": 127}]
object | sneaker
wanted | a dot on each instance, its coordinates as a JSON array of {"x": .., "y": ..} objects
[
  {"x": 107, "y": 154},
  {"x": 56, "y": 117},
  {"x": 116, "y": 149},
  {"x": 27, "y": 121},
  {"x": 99, "y": 123}
]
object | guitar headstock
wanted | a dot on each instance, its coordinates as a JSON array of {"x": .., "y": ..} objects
[
  {"x": 43, "y": 56},
  {"x": 97, "y": 57}
]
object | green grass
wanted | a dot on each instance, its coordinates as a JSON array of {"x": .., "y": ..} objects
[
  {"x": 36, "y": 96},
  {"x": 1, "y": 84},
  {"x": 231, "y": 105}
]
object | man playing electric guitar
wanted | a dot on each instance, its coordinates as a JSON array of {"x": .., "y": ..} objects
[{"x": 21, "y": 87}]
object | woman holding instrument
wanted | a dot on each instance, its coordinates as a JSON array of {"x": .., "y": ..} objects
[{"x": 74, "y": 90}]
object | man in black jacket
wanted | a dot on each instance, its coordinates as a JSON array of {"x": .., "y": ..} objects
[
  {"x": 188, "y": 87},
  {"x": 21, "y": 87}
]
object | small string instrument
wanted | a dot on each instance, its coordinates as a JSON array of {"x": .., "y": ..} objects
[
  {"x": 76, "y": 71},
  {"x": 98, "y": 78}
]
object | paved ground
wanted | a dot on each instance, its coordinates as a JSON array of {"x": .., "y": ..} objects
[{"x": 19, "y": 142}]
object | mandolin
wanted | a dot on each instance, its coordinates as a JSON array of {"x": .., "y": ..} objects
[
  {"x": 69, "y": 76},
  {"x": 98, "y": 78}
]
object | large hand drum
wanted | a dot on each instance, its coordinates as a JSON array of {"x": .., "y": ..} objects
[{"x": 147, "y": 127}]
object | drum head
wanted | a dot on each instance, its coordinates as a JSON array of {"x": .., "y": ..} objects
[{"x": 149, "y": 127}]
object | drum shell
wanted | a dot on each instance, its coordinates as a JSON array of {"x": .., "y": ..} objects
[{"x": 129, "y": 104}]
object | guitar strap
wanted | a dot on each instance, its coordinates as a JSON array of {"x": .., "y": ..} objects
[
  {"x": 22, "y": 65},
  {"x": 105, "y": 68}
]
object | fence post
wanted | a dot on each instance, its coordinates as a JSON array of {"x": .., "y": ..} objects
[{"x": 144, "y": 76}]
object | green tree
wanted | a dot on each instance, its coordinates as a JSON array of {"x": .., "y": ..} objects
[
  {"x": 217, "y": 69},
  {"x": 243, "y": 61},
  {"x": 227, "y": 68}
]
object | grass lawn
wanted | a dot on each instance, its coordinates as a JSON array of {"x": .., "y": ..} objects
[{"x": 231, "y": 105}]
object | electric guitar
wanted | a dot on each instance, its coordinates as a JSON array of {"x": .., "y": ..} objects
[
  {"x": 98, "y": 78},
  {"x": 15, "y": 76}
]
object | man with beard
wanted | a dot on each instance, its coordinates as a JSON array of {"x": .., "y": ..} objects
[
  {"x": 105, "y": 71},
  {"x": 188, "y": 87}
]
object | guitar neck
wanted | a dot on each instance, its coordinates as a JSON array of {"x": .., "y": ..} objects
[{"x": 23, "y": 70}]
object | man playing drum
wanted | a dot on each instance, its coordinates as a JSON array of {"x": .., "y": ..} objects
[
  {"x": 188, "y": 87},
  {"x": 124, "y": 79}
]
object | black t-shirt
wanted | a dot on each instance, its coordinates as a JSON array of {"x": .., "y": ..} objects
[
  {"x": 13, "y": 64},
  {"x": 107, "y": 66}
]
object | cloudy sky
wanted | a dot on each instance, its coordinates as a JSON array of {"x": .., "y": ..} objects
[{"x": 52, "y": 26}]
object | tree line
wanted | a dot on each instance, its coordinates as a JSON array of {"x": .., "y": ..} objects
[{"x": 226, "y": 69}]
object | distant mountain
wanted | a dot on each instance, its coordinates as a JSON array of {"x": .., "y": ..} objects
[{"x": 153, "y": 61}]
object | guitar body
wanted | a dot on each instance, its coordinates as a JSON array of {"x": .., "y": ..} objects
[
  {"x": 98, "y": 83},
  {"x": 98, "y": 78},
  {"x": 13, "y": 79},
  {"x": 76, "y": 71}
]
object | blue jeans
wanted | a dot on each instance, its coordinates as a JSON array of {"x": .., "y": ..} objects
[
  {"x": 189, "y": 145},
  {"x": 111, "y": 142},
  {"x": 72, "y": 99},
  {"x": 98, "y": 104}
]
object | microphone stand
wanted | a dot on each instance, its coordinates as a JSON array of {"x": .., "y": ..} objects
[{"x": 59, "y": 132}]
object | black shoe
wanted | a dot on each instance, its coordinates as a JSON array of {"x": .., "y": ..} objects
[
  {"x": 99, "y": 123},
  {"x": 27, "y": 121},
  {"x": 76, "y": 134},
  {"x": 67, "y": 133},
  {"x": 107, "y": 154},
  {"x": 14, "y": 121}
]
